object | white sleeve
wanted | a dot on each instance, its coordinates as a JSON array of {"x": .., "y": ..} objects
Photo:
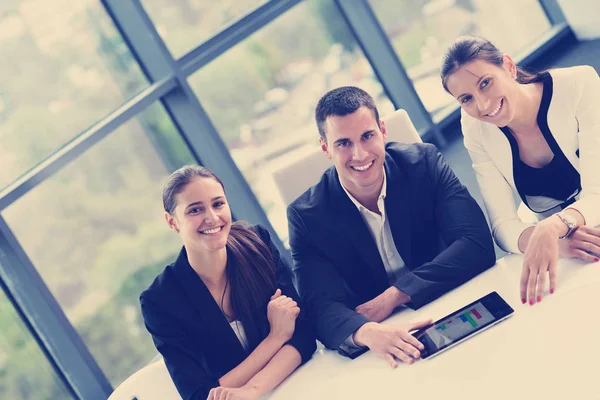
[
  {"x": 496, "y": 191},
  {"x": 587, "y": 112}
]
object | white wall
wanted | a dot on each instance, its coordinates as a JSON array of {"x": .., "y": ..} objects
[{"x": 583, "y": 16}]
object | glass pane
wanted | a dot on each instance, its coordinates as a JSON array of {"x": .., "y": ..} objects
[
  {"x": 261, "y": 94},
  {"x": 25, "y": 373},
  {"x": 102, "y": 238},
  {"x": 185, "y": 24},
  {"x": 422, "y": 30},
  {"x": 64, "y": 67}
]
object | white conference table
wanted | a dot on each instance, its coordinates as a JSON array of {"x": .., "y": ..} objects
[{"x": 550, "y": 350}]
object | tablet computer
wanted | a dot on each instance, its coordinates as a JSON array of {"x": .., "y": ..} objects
[{"x": 462, "y": 324}]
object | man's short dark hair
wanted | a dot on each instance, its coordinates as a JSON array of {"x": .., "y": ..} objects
[{"x": 340, "y": 102}]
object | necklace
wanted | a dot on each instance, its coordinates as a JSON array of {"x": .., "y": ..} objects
[{"x": 229, "y": 318}]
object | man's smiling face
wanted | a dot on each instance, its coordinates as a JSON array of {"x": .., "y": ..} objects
[{"x": 356, "y": 144}]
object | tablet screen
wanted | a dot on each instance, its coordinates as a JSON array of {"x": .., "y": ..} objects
[{"x": 462, "y": 323}]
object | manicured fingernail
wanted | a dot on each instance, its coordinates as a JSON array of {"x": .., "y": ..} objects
[
  {"x": 523, "y": 300},
  {"x": 539, "y": 299},
  {"x": 530, "y": 302},
  {"x": 552, "y": 291},
  {"x": 596, "y": 259}
]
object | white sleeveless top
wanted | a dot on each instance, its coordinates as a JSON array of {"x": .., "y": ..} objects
[{"x": 238, "y": 329}]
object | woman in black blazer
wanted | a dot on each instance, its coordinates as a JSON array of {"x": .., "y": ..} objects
[{"x": 225, "y": 314}]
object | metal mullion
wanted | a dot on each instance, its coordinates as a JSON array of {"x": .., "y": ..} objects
[
  {"x": 139, "y": 34},
  {"x": 185, "y": 110},
  {"x": 84, "y": 141},
  {"x": 28, "y": 325},
  {"x": 233, "y": 34},
  {"x": 553, "y": 11},
  {"x": 387, "y": 66},
  {"x": 49, "y": 325}
]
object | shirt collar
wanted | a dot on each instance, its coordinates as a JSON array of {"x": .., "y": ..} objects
[{"x": 381, "y": 197}]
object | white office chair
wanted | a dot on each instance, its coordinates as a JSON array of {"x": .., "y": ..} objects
[
  {"x": 400, "y": 128},
  {"x": 305, "y": 166},
  {"x": 152, "y": 382}
]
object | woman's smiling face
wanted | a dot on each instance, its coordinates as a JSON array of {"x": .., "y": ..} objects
[
  {"x": 202, "y": 216},
  {"x": 486, "y": 91}
]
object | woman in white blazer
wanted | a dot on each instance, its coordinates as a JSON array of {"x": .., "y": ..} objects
[{"x": 537, "y": 135}]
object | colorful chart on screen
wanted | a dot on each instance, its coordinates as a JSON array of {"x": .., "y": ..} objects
[{"x": 457, "y": 326}]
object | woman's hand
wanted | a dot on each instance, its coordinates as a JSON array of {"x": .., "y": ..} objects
[
  {"x": 540, "y": 261},
  {"x": 281, "y": 313},
  {"x": 243, "y": 393},
  {"x": 583, "y": 244}
]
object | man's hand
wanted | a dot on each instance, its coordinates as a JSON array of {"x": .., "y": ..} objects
[
  {"x": 382, "y": 306},
  {"x": 391, "y": 342}
]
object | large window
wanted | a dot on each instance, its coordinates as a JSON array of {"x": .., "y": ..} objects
[
  {"x": 94, "y": 229},
  {"x": 421, "y": 30},
  {"x": 25, "y": 374},
  {"x": 96, "y": 233},
  {"x": 63, "y": 67},
  {"x": 261, "y": 94},
  {"x": 184, "y": 24}
]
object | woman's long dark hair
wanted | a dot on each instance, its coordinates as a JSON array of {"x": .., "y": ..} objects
[
  {"x": 252, "y": 279},
  {"x": 469, "y": 48},
  {"x": 251, "y": 272}
]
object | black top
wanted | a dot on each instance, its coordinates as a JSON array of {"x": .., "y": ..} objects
[
  {"x": 192, "y": 334},
  {"x": 438, "y": 229},
  {"x": 557, "y": 180}
]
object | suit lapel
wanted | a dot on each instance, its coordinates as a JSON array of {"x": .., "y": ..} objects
[
  {"x": 350, "y": 222},
  {"x": 224, "y": 339},
  {"x": 398, "y": 206}
]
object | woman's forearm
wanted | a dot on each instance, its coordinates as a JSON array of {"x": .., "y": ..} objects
[
  {"x": 552, "y": 222},
  {"x": 524, "y": 238},
  {"x": 253, "y": 364},
  {"x": 277, "y": 370}
]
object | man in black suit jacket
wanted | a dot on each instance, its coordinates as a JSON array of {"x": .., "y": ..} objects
[{"x": 388, "y": 225}]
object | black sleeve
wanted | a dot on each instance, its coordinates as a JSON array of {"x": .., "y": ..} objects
[
  {"x": 303, "y": 339},
  {"x": 463, "y": 228},
  {"x": 186, "y": 366},
  {"x": 321, "y": 288}
]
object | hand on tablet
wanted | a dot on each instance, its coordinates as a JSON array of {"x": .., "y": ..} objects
[{"x": 391, "y": 342}]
